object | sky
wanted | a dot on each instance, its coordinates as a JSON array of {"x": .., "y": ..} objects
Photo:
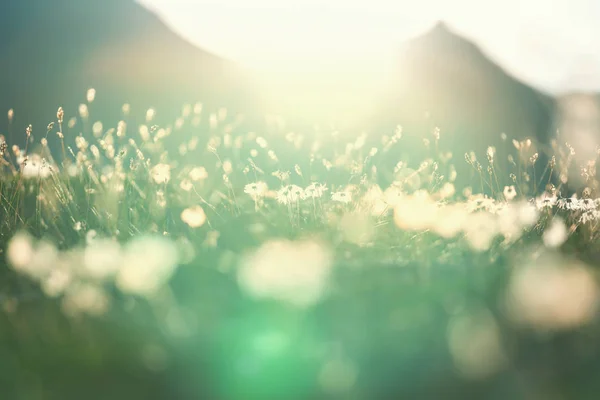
[{"x": 553, "y": 45}]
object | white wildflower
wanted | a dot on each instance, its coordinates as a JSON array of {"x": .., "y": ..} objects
[
  {"x": 480, "y": 230},
  {"x": 447, "y": 190},
  {"x": 194, "y": 216},
  {"x": 256, "y": 190},
  {"x": 449, "y": 221},
  {"x": 555, "y": 295},
  {"x": 589, "y": 216},
  {"x": 281, "y": 175},
  {"x": 102, "y": 258},
  {"x": 342, "y": 197},
  {"x": 509, "y": 192},
  {"x": 161, "y": 173},
  {"x": 20, "y": 251},
  {"x": 186, "y": 185},
  {"x": 587, "y": 204},
  {"x": 301, "y": 280},
  {"x": 198, "y": 174},
  {"x": 393, "y": 195},
  {"x": 556, "y": 234},
  {"x": 289, "y": 194},
  {"x": 147, "y": 264},
  {"x": 85, "y": 298},
  {"x": 34, "y": 166},
  {"x": 416, "y": 212},
  {"x": 315, "y": 190},
  {"x": 570, "y": 203},
  {"x": 546, "y": 201}
]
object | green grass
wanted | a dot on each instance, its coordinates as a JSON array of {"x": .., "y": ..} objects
[{"x": 207, "y": 259}]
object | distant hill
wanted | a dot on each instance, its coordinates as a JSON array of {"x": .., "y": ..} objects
[
  {"x": 446, "y": 81},
  {"x": 53, "y": 51}
]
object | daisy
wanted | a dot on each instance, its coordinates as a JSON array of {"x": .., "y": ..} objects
[
  {"x": 545, "y": 201},
  {"x": 589, "y": 216},
  {"x": 569, "y": 203},
  {"x": 315, "y": 190},
  {"x": 587, "y": 204},
  {"x": 290, "y": 194}
]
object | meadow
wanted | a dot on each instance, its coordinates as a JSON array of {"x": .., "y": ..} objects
[{"x": 206, "y": 258}]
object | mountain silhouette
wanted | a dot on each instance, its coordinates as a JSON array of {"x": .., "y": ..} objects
[
  {"x": 54, "y": 51},
  {"x": 445, "y": 81}
]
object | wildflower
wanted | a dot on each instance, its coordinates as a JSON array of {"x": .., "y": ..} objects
[
  {"x": 491, "y": 152},
  {"x": 186, "y": 185},
  {"x": 556, "y": 294},
  {"x": 35, "y": 167},
  {"x": 198, "y": 174},
  {"x": 256, "y": 190},
  {"x": 194, "y": 216},
  {"x": 227, "y": 167},
  {"x": 392, "y": 195},
  {"x": 289, "y": 194},
  {"x": 60, "y": 114},
  {"x": 447, "y": 190},
  {"x": 375, "y": 201},
  {"x": 587, "y": 204},
  {"x": 480, "y": 230},
  {"x": 83, "y": 111},
  {"x": 556, "y": 234},
  {"x": 479, "y": 202},
  {"x": 101, "y": 258},
  {"x": 300, "y": 281},
  {"x": 147, "y": 264},
  {"x": 262, "y": 142},
  {"x": 570, "y": 203},
  {"x": 85, "y": 298},
  {"x": 90, "y": 236},
  {"x": 58, "y": 280},
  {"x": 545, "y": 201},
  {"x": 342, "y": 197},
  {"x": 150, "y": 113},
  {"x": 416, "y": 212},
  {"x": 160, "y": 199},
  {"x": 589, "y": 216},
  {"x": 528, "y": 214},
  {"x": 161, "y": 173},
  {"x": 91, "y": 95},
  {"x": 315, "y": 190},
  {"x": 20, "y": 251},
  {"x": 449, "y": 221},
  {"x": 509, "y": 192},
  {"x": 281, "y": 175}
]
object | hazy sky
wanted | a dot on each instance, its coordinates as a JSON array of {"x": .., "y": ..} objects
[{"x": 551, "y": 44}]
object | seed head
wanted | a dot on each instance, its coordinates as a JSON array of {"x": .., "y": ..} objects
[{"x": 60, "y": 115}]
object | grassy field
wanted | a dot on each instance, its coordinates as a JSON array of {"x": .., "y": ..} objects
[{"x": 208, "y": 259}]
